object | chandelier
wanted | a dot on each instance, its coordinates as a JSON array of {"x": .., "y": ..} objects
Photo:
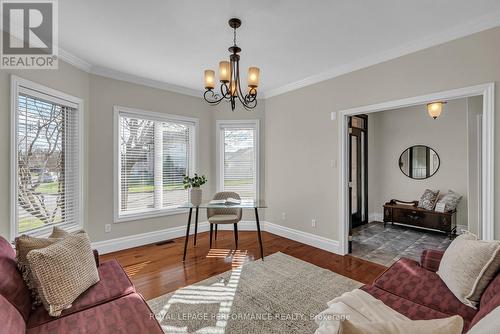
[{"x": 229, "y": 76}]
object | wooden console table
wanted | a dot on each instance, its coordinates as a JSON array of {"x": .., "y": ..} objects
[{"x": 407, "y": 213}]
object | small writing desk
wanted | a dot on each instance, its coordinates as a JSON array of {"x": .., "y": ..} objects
[{"x": 245, "y": 204}]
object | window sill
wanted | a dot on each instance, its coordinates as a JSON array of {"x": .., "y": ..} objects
[
  {"x": 145, "y": 215},
  {"x": 46, "y": 231}
]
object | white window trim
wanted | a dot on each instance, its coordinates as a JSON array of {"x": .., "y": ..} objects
[
  {"x": 19, "y": 84},
  {"x": 254, "y": 123},
  {"x": 150, "y": 213}
]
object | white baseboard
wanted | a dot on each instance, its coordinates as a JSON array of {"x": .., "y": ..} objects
[
  {"x": 113, "y": 245},
  {"x": 462, "y": 227},
  {"x": 375, "y": 217},
  {"x": 304, "y": 237}
]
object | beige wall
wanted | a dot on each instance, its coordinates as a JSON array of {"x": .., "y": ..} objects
[
  {"x": 301, "y": 140},
  {"x": 393, "y": 131},
  {"x": 100, "y": 94}
]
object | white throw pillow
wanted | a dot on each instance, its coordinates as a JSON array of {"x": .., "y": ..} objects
[
  {"x": 487, "y": 325},
  {"x": 450, "y": 200},
  {"x": 468, "y": 266},
  {"x": 451, "y": 325}
]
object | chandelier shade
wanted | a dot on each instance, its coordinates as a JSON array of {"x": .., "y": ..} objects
[
  {"x": 209, "y": 79},
  {"x": 224, "y": 71},
  {"x": 253, "y": 77},
  {"x": 230, "y": 80}
]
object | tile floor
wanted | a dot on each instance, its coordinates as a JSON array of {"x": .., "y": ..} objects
[{"x": 385, "y": 246}]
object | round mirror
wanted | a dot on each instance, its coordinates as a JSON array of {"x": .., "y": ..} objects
[{"x": 419, "y": 162}]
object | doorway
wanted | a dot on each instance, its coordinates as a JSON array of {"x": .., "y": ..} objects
[
  {"x": 358, "y": 173},
  {"x": 487, "y": 149}
]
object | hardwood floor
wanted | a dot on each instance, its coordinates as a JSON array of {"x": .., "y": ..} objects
[{"x": 157, "y": 269}]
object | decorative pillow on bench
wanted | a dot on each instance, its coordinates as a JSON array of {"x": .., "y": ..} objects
[
  {"x": 428, "y": 199},
  {"x": 468, "y": 266},
  {"x": 450, "y": 200},
  {"x": 64, "y": 270}
]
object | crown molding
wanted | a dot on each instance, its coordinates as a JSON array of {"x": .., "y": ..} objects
[
  {"x": 485, "y": 22},
  {"x": 74, "y": 60},
  {"x": 117, "y": 75}
]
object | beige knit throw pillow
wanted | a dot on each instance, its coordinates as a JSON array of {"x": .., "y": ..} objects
[
  {"x": 25, "y": 244},
  {"x": 468, "y": 266},
  {"x": 64, "y": 270}
]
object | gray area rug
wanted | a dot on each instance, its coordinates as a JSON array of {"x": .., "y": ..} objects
[{"x": 279, "y": 295}]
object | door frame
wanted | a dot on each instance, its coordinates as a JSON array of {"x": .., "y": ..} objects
[{"x": 487, "y": 153}]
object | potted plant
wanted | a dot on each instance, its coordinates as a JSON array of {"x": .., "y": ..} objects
[{"x": 194, "y": 184}]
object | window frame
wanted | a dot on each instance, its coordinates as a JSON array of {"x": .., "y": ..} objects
[
  {"x": 222, "y": 124},
  {"x": 21, "y": 85},
  {"x": 163, "y": 117}
]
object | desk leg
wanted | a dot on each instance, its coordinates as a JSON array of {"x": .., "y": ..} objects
[
  {"x": 196, "y": 225},
  {"x": 187, "y": 234},
  {"x": 258, "y": 231}
]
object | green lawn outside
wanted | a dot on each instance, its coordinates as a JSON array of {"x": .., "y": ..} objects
[
  {"x": 149, "y": 188},
  {"x": 48, "y": 188},
  {"x": 145, "y": 188},
  {"x": 29, "y": 223},
  {"x": 52, "y": 188}
]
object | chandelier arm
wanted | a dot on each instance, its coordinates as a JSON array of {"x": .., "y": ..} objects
[
  {"x": 240, "y": 93},
  {"x": 211, "y": 97},
  {"x": 249, "y": 107},
  {"x": 250, "y": 98},
  {"x": 224, "y": 90},
  {"x": 241, "y": 96},
  {"x": 251, "y": 103}
]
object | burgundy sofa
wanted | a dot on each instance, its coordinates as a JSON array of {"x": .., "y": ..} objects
[
  {"x": 416, "y": 291},
  {"x": 110, "y": 306}
]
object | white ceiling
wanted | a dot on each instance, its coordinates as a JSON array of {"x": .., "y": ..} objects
[{"x": 293, "y": 42}]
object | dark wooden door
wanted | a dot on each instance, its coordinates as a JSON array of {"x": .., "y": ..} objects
[{"x": 358, "y": 172}]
